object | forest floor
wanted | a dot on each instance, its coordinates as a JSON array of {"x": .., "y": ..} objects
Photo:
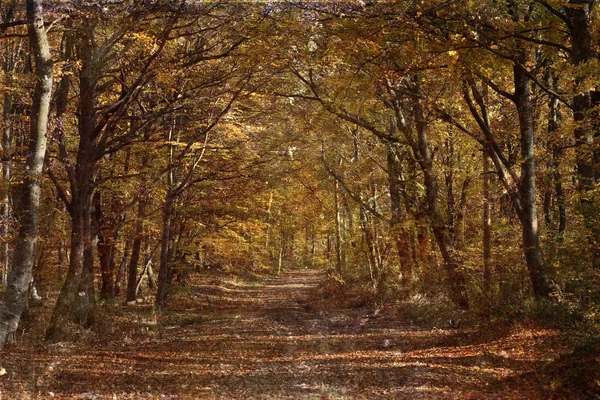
[{"x": 230, "y": 339}]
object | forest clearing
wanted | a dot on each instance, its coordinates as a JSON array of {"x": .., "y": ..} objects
[{"x": 300, "y": 199}]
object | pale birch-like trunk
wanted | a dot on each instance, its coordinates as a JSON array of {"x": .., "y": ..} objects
[
  {"x": 27, "y": 211},
  {"x": 6, "y": 172}
]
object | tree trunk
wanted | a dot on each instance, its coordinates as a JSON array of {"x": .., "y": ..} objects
[
  {"x": 164, "y": 269},
  {"x": 522, "y": 194},
  {"x": 146, "y": 273},
  {"x": 371, "y": 249},
  {"x": 107, "y": 258},
  {"x": 487, "y": 232},
  {"x": 135, "y": 253},
  {"x": 587, "y": 153},
  {"x": 122, "y": 268},
  {"x": 527, "y": 189},
  {"x": 20, "y": 278},
  {"x": 280, "y": 257},
  {"x": 339, "y": 267},
  {"x": 548, "y": 208},
  {"x": 313, "y": 244},
  {"x": 579, "y": 12},
  {"x": 556, "y": 176},
  {"x": 107, "y": 250},
  {"x": 398, "y": 232},
  {"x": 6, "y": 171},
  {"x": 560, "y": 194},
  {"x": 149, "y": 272},
  {"x": 456, "y": 278},
  {"x": 76, "y": 300}
]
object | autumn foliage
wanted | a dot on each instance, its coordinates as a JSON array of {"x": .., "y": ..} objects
[{"x": 439, "y": 159}]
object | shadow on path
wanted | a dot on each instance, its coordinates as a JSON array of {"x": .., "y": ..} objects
[{"x": 265, "y": 341}]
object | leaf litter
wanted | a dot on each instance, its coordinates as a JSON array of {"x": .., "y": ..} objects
[{"x": 224, "y": 339}]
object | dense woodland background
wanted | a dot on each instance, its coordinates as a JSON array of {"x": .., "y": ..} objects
[{"x": 442, "y": 155}]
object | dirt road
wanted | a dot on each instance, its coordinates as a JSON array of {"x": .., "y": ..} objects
[{"x": 224, "y": 340}]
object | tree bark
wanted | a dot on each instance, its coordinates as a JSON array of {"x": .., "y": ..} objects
[
  {"x": 560, "y": 194},
  {"x": 523, "y": 193},
  {"x": 555, "y": 175},
  {"x": 528, "y": 214},
  {"x": 135, "y": 253},
  {"x": 487, "y": 232},
  {"x": 587, "y": 153},
  {"x": 20, "y": 278},
  {"x": 398, "y": 232},
  {"x": 108, "y": 234},
  {"x": 6, "y": 171},
  {"x": 77, "y": 299},
  {"x": 339, "y": 264},
  {"x": 122, "y": 268},
  {"x": 164, "y": 268},
  {"x": 374, "y": 268},
  {"x": 456, "y": 278},
  {"x": 149, "y": 272},
  {"x": 579, "y": 12}
]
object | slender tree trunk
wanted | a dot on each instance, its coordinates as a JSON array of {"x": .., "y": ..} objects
[
  {"x": 135, "y": 253},
  {"x": 398, "y": 232},
  {"x": 560, "y": 195},
  {"x": 487, "y": 232},
  {"x": 313, "y": 245},
  {"x": 305, "y": 244},
  {"x": 345, "y": 226},
  {"x": 556, "y": 176},
  {"x": 269, "y": 220},
  {"x": 548, "y": 208},
  {"x": 328, "y": 246},
  {"x": 339, "y": 269},
  {"x": 441, "y": 231},
  {"x": 62, "y": 253},
  {"x": 12, "y": 55},
  {"x": 109, "y": 231},
  {"x": 106, "y": 249},
  {"x": 164, "y": 272},
  {"x": 371, "y": 250},
  {"x": 107, "y": 258},
  {"x": 280, "y": 257},
  {"x": 146, "y": 273},
  {"x": 449, "y": 180},
  {"x": 122, "y": 268},
  {"x": 6, "y": 171},
  {"x": 459, "y": 232},
  {"x": 62, "y": 100},
  {"x": 528, "y": 215},
  {"x": 164, "y": 269},
  {"x": 150, "y": 273},
  {"x": 20, "y": 277}
]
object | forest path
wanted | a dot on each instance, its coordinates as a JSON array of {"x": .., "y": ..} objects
[{"x": 225, "y": 339}]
